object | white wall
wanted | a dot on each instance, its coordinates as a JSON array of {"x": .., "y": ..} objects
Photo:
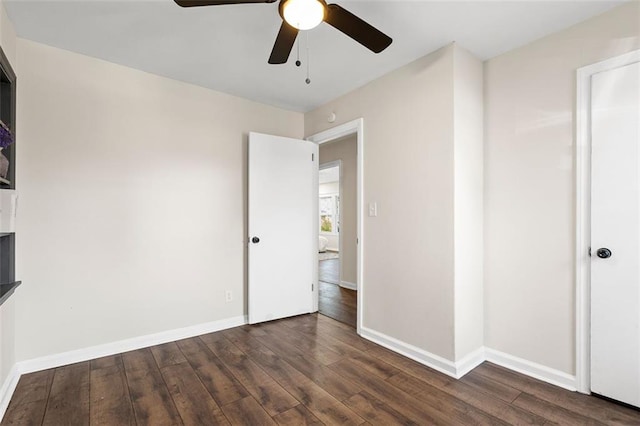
[
  {"x": 132, "y": 201},
  {"x": 7, "y": 310},
  {"x": 529, "y": 186},
  {"x": 468, "y": 201},
  {"x": 346, "y": 151}
]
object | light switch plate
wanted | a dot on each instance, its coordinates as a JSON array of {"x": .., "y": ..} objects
[{"x": 373, "y": 209}]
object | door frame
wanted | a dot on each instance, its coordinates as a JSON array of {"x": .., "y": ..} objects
[
  {"x": 583, "y": 212},
  {"x": 338, "y": 164},
  {"x": 352, "y": 127}
]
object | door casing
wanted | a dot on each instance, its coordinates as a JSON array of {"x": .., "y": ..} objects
[{"x": 352, "y": 127}]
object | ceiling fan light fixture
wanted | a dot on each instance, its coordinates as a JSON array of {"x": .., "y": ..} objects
[{"x": 303, "y": 14}]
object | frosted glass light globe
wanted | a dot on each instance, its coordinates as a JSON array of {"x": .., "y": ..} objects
[{"x": 303, "y": 14}]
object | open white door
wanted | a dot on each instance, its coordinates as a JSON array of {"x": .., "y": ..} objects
[
  {"x": 615, "y": 234},
  {"x": 283, "y": 226}
]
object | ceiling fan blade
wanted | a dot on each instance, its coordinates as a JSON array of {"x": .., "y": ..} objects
[
  {"x": 194, "y": 3},
  {"x": 283, "y": 45},
  {"x": 365, "y": 34}
]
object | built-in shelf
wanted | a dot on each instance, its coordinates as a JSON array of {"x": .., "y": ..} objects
[
  {"x": 8, "y": 282},
  {"x": 6, "y": 290}
]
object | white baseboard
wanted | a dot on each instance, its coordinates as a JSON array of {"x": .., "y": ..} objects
[
  {"x": 420, "y": 355},
  {"x": 470, "y": 362},
  {"x": 529, "y": 368},
  {"x": 348, "y": 285},
  {"x": 7, "y": 389},
  {"x": 66, "y": 358},
  {"x": 80, "y": 355}
]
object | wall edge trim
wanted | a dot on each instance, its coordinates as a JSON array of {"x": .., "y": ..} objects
[
  {"x": 532, "y": 369},
  {"x": 7, "y": 389},
  {"x": 92, "y": 352},
  {"x": 348, "y": 285},
  {"x": 434, "y": 361},
  {"x": 470, "y": 362}
]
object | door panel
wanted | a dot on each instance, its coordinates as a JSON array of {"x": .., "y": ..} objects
[
  {"x": 615, "y": 221},
  {"x": 283, "y": 215}
]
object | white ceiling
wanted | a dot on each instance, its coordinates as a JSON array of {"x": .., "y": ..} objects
[{"x": 226, "y": 47}]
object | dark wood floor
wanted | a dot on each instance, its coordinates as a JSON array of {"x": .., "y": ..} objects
[
  {"x": 302, "y": 370},
  {"x": 334, "y": 301},
  {"x": 329, "y": 271},
  {"x": 338, "y": 303}
]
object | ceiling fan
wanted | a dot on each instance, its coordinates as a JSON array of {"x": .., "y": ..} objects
[{"x": 307, "y": 14}]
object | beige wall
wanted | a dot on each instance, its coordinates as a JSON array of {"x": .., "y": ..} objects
[
  {"x": 346, "y": 150},
  {"x": 408, "y": 157},
  {"x": 132, "y": 201},
  {"x": 468, "y": 203},
  {"x": 529, "y": 186},
  {"x": 7, "y": 310}
]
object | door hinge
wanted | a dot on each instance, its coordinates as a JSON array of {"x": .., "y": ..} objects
[
  {"x": 311, "y": 286},
  {"x": 313, "y": 156}
]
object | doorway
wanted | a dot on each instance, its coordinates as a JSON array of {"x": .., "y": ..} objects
[
  {"x": 337, "y": 297},
  {"x": 608, "y": 229},
  {"x": 340, "y": 286}
]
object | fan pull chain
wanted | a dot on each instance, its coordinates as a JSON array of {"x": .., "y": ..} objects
[
  {"x": 308, "y": 80},
  {"x": 298, "y": 63}
]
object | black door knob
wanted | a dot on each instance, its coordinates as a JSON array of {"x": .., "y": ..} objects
[
  {"x": 603, "y": 253},
  {"x": 255, "y": 240}
]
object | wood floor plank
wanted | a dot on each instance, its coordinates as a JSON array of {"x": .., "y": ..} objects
[
  {"x": 193, "y": 402},
  {"x": 486, "y": 385},
  {"x": 271, "y": 396},
  {"x": 218, "y": 380},
  {"x": 411, "y": 367},
  {"x": 325, "y": 407},
  {"x": 69, "y": 397},
  {"x": 553, "y": 412},
  {"x": 106, "y": 362},
  {"x": 247, "y": 411},
  {"x": 484, "y": 401},
  {"x": 152, "y": 403},
  {"x": 300, "y": 344},
  {"x": 497, "y": 407},
  {"x": 297, "y": 416},
  {"x": 455, "y": 409},
  {"x": 336, "y": 302},
  {"x": 271, "y": 373},
  {"x": 167, "y": 354},
  {"x": 322, "y": 339},
  {"x": 477, "y": 397},
  {"x": 110, "y": 400},
  {"x": 392, "y": 396},
  {"x": 344, "y": 333},
  {"x": 586, "y": 405},
  {"x": 29, "y": 400},
  {"x": 376, "y": 412},
  {"x": 336, "y": 385}
]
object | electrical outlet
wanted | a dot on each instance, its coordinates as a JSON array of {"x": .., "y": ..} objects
[{"x": 228, "y": 296}]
